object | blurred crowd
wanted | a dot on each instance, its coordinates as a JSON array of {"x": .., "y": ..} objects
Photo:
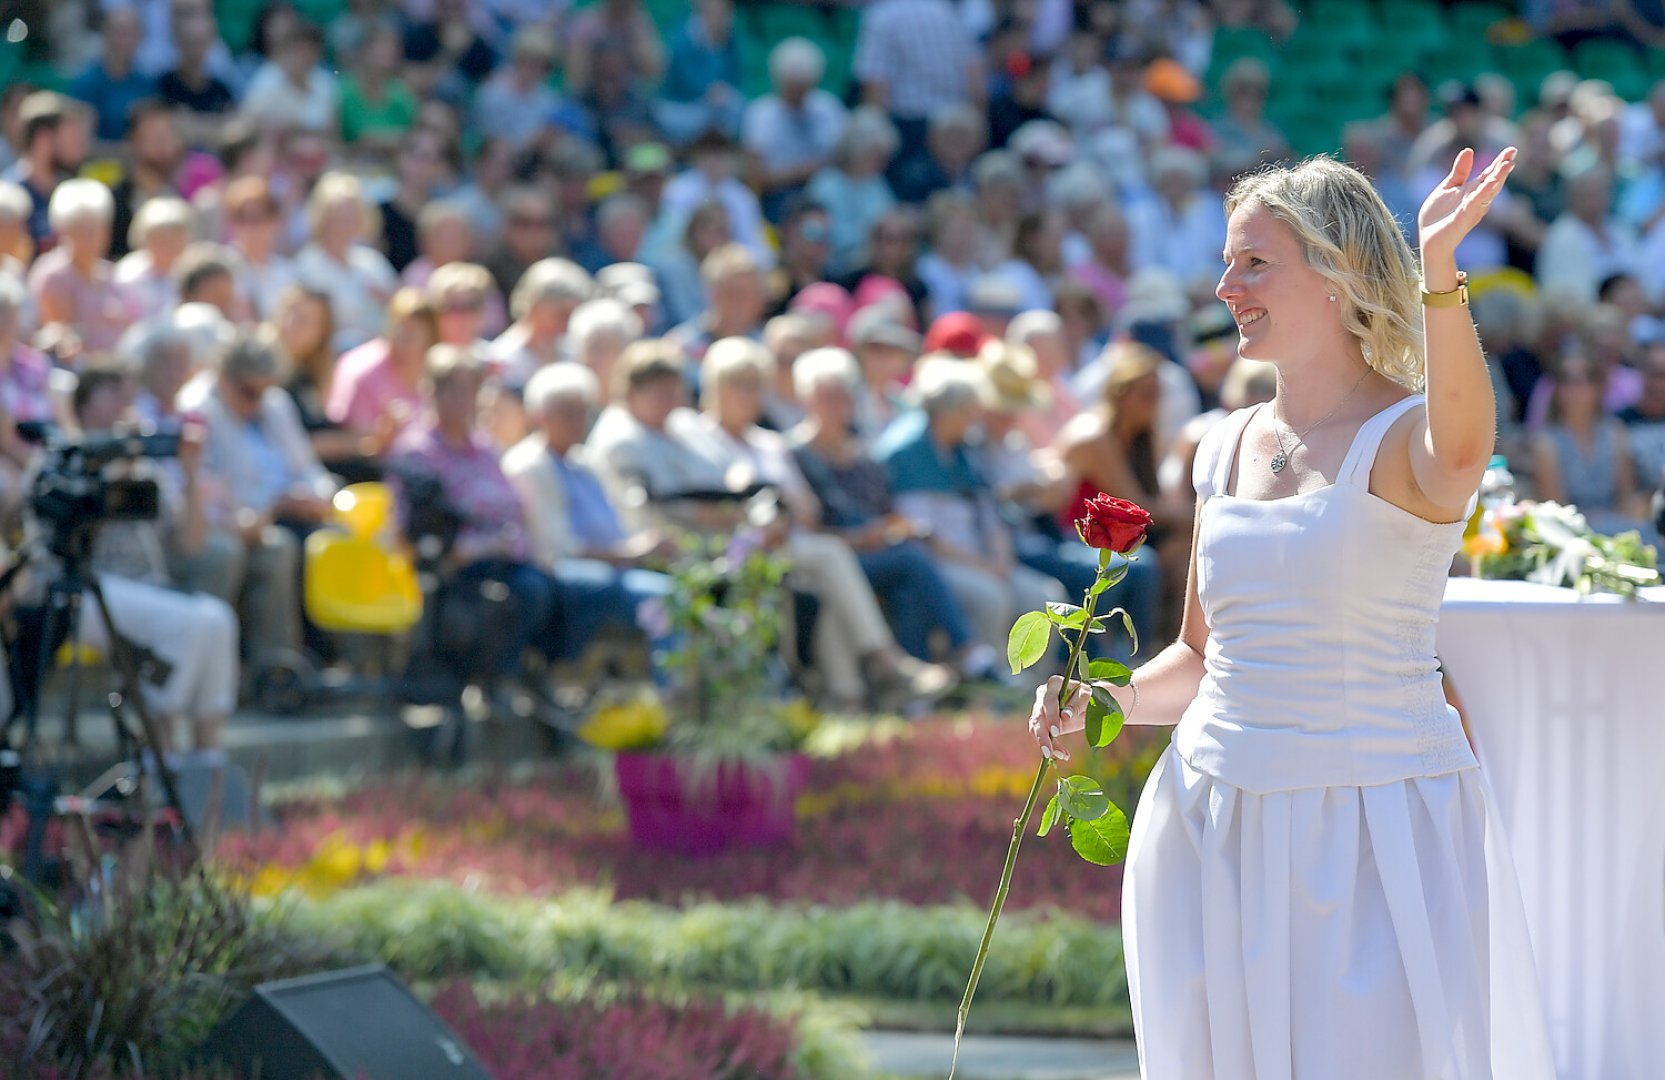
[{"x": 608, "y": 279}]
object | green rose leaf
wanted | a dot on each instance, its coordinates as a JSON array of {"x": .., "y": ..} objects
[
  {"x": 1102, "y": 841},
  {"x": 1028, "y": 640},
  {"x": 1065, "y": 616},
  {"x": 1108, "y": 579},
  {"x": 1084, "y": 799},
  {"x": 1127, "y": 623},
  {"x": 1109, "y": 671},
  {"x": 1054, "y": 808},
  {"x": 1104, "y": 718}
]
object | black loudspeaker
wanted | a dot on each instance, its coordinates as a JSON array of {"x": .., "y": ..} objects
[{"x": 343, "y": 1025}]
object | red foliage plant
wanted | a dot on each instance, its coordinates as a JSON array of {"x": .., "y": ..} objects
[{"x": 632, "y": 1038}]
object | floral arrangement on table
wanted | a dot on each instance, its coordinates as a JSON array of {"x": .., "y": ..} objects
[
  {"x": 726, "y": 700},
  {"x": 1553, "y": 544},
  {"x": 1098, "y": 829}
]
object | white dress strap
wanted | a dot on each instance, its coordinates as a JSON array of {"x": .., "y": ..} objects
[
  {"x": 1212, "y": 473},
  {"x": 1361, "y": 456}
]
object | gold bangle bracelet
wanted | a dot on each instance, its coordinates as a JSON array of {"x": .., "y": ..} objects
[{"x": 1451, "y": 297}]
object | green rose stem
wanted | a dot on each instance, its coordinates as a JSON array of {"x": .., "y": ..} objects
[{"x": 1019, "y": 827}]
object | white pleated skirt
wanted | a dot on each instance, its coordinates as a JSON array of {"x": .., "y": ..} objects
[{"x": 1365, "y": 933}]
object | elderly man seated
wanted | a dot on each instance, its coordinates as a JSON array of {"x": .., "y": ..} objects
[
  {"x": 573, "y": 531},
  {"x": 269, "y": 486},
  {"x": 940, "y": 489}
]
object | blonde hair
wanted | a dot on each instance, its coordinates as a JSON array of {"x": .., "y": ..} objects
[
  {"x": 447, "y": 363},
  {"x": 727, "y": 262},
  {"x": 1350, "y": 237},
  {"x": 1246, "y": 382},
  {"x": 1128, "y": 362},
  {"x": 340, "y": 187},
  {"x": 163, "y": 212},
  {"x": 728, "y": 360},
  {"x": 463, "y": 277}
]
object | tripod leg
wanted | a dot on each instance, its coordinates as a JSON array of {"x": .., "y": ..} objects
[
  {"x": 72, "y": 714},
  {"x": 148, "y": 736}
]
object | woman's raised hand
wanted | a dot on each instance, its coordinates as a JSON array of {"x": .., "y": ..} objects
[
  {"x": 1455, "y": 207},
  {"x": 1048, "y": 722}
]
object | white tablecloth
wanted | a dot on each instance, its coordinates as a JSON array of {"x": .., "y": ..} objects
[{"x": 1566, "y": 702}]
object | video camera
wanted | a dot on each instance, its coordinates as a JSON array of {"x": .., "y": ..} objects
[{"x": 71, "y": 489}]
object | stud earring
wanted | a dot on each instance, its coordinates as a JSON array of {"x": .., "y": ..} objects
[{"x": 1332, "y": 298}]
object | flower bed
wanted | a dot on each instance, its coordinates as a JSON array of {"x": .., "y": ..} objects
[
  {"x": 921, "y": 817},
  {"x": 633, "y": 1038}
]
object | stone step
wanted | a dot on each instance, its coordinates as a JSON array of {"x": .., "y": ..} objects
[{"x": 910, "y": 1055}]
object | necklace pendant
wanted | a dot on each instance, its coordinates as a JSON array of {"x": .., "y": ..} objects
[{"x": 1279, "y": 461}]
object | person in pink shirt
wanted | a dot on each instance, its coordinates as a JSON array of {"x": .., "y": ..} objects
[
  {"x": 80, "y": 306},
  {"x": 1605, "y": 339},
  {"x": 378, "y": 386}
]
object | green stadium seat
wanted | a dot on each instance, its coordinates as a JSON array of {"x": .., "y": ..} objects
[
  {"x": 1463, "y": 61},
  {"x": 1349, "y": 27},
  {"x": 1615, "y": 62},
  {"x": 666, "y": 14},
  {"x": 1413, "y": 27},
  {"x": 777, "y": 22},
  {"x": 1474, "y": 20},
  {"x": 1235, "y": 42},
  {"x": 321, "y": 12},
  {"x": 1531, "y": 59}
]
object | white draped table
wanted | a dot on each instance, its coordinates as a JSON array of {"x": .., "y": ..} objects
[{"x": 1565, "y": 698}]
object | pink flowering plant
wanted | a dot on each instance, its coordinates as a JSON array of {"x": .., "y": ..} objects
[{"x": 1098, "y": 829}]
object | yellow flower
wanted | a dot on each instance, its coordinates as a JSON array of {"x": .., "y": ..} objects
[
  {"x": 801, "y": 718},
  {"x": 270, "y": 881},
  {"x": 631, "y": 725}
]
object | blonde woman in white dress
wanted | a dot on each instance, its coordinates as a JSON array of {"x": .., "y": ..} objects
[{"x": 1317, "y": 884}]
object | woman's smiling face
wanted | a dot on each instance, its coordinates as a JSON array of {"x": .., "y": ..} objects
[{"x": 1276, "y": 298}]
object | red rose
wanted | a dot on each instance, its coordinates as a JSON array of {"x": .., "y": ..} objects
[{"x": 1113, "y": 523}]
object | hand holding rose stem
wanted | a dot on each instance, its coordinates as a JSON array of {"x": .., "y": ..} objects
[{"x": 1098, "y": 830}]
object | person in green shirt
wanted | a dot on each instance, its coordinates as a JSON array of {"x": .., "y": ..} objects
[{"x": 376, "y": 105}]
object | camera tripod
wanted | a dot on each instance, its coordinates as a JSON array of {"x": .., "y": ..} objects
[{"x": 32, "y": 648}]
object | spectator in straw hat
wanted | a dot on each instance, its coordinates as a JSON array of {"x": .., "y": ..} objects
[{"x": 1033, "y": 486}]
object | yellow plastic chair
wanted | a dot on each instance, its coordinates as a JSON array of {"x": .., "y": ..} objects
[
  {"x": 82, "y": 655},
  {"x": 355, "y": 586},
  {"x": 1505, "y": 279},
  {"x": 364, "y": 509}
]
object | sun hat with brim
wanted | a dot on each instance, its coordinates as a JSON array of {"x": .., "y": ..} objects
[
  {"x": 1012, "y": 374},
  {"x": 877, "y": 326},
  {"x": 994, "y": 295}
]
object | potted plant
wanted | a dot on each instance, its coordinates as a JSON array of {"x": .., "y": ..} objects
[{"x": 712, "y": 760}]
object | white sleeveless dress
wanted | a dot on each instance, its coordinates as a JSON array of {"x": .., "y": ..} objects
[{"x": 1317, "y": 884}]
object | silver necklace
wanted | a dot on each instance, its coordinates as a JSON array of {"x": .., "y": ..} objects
[{"x": 1281, "y": 460}]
